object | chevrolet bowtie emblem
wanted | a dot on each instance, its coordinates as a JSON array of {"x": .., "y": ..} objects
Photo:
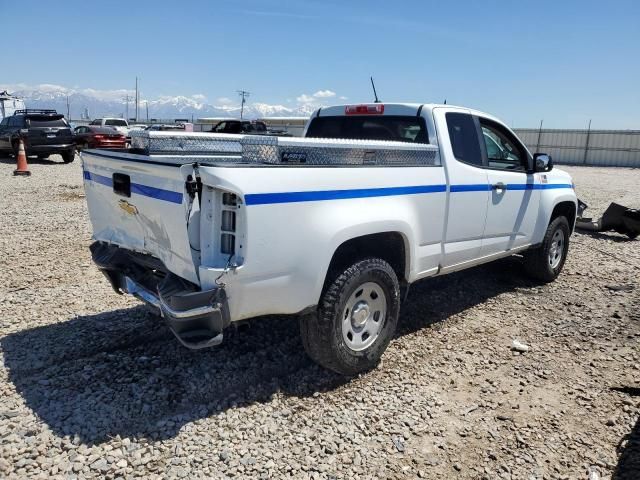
[{"x": 127, "y": 207}]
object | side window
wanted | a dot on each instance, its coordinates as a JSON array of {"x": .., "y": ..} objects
[
  {"x": 503, "y": 151},
  {"x": 96, "y": 122},
  {"x": 464, "y": 138},
  {"x": 4, "y": 121}
]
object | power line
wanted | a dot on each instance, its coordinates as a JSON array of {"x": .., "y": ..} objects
[{"x": 244, "y": 94}]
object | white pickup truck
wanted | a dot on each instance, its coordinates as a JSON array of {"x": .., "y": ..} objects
[{"x": 212, "y": 228}]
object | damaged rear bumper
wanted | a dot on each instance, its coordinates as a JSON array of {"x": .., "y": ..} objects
[{"x": 196, "y": 317}]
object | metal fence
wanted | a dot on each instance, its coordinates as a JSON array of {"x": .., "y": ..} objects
[{"x": 610, "y": 148}]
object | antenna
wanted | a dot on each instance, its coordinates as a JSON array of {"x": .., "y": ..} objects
[
  {"x": 244, "y": 94},
  {"x": 375, "y": 94}
]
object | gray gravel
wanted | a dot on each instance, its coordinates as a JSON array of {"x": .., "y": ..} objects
[{"x": 93, "y": 386}]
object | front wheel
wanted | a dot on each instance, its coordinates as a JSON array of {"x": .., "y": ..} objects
[
  {"x": 355, "y": 320},
  {"x": 545, "y": 262}
]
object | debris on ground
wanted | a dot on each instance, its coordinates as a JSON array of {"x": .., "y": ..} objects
[
  {"x": 518, "y": 346},
  {"x": 615, "y": 218}
]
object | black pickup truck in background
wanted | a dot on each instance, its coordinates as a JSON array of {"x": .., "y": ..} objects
[
  {"x": 250, "y": 127},
  {"x": 45, "y": 132}
]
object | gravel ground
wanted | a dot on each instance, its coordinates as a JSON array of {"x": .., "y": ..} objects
[{"x": 93, "y": 386}]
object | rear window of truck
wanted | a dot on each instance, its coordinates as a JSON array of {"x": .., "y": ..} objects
[
  {"x": 115, "y": 123},
  {"x": 410, "y": 129}
]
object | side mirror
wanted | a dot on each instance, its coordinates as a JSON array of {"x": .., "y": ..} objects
[{"x": 542, "y": 162}]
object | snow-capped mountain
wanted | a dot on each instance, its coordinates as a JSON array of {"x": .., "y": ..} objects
[{"x": 99, "y": 103}]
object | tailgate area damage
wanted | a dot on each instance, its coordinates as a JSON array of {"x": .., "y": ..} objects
[{"x": 196, "y": 317}]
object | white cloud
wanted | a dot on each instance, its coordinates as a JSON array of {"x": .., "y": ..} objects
[
  {"x": 309, "y": 102},
  {"x": 324, "y": 94},
  {"x": 344, "y": 98},
  {"x": 304, "y": 98},
  {"x": 198, "y": 96}
]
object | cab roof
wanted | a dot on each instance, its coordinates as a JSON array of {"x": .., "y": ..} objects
[{"x": 395, "y": 109}]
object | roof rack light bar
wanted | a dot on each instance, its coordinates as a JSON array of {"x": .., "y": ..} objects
[{"x": 27, "y": 111}]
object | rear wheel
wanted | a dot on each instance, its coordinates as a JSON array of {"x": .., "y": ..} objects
[
  {"x": 355, "y": 320},
  {"x": 69, "y": 155},
  {"x": 545, "y": 262}
]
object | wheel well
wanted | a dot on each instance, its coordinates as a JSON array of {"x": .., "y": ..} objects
[
  {"x": 566, "y": 209},
  {"x": 389, "y": 246}
]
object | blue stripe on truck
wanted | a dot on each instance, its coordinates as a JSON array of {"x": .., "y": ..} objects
[
  {"x": 137, "y": 188},
  {"x": 313, "y": 196},
  {"x": 320, "y": 195},
  {"x": 478, "y": 187}
]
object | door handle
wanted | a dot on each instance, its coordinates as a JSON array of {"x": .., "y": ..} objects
[{"x": 498, "y": 187}]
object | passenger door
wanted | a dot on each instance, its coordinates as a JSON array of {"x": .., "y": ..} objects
[
  {"x": 468, "y": 186},
  {"x": 514, "y": 200}
]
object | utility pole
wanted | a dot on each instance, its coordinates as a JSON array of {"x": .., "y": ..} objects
[
  {"x": 146, "y": 104},
  {"x": 68, "y": 115},
  {"x": 586, "y": 144},
  {"x": 244, "y": 94},
  {"x": 126, "y": 99},
  {"x": 137, "y": 99}
]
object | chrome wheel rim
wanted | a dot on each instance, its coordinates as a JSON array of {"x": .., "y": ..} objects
[
  {"x": 363, "y": 316},
  {"x": 556, "y": 250}
]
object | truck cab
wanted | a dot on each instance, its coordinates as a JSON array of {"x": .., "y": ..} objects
[{"x": 333, "y": 227}]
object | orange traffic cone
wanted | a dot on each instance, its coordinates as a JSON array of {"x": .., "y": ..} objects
[{"x": 23, "y": 168}]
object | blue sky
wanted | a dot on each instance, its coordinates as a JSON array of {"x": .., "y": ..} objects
[{"x": 564, "y": 61}]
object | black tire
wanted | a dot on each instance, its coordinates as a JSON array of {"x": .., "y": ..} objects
[
  {"x": 322, "y": 331},
  {"x": 69, "y": 156},
  {"x": 538, "y": 262}
]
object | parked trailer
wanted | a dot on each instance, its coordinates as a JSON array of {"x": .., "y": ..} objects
[{"x": 9, "y": 104}]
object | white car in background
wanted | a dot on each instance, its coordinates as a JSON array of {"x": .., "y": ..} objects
[{"x": 119, "y": 124}]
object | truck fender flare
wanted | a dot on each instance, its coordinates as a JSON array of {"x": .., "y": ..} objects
[{"x": 360, "y": 230}]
